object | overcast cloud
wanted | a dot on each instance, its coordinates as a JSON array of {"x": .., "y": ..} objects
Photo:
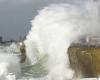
[{"x": 15, "y": 15}]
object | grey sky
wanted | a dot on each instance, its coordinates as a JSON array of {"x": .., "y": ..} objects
[{"x": 15, "y": 15}]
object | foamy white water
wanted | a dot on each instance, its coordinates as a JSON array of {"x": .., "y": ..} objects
[
  {"x": 9, "y": 63},
  {"x": 54, "y": 29}
]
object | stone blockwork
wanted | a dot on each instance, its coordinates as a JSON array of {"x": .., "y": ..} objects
[{"x": 85, "y": 59}]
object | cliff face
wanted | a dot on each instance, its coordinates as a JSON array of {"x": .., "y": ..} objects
[{"x": 85, "y": 59}]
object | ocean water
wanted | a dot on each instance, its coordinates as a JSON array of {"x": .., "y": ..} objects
[
  {"x": 27, "y": 71},
  {"x": 53, "y": 30},
  {"x": 38, "y": 71}
]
